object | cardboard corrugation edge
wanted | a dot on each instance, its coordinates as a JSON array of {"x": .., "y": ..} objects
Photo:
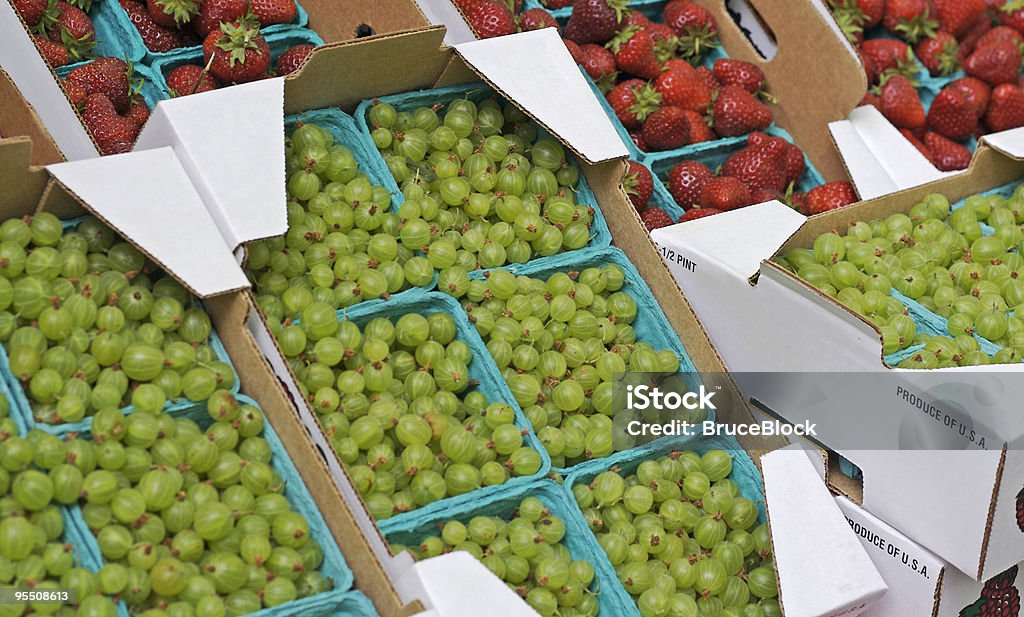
[
  {"x": 19, "y": 119},
  {"x": 802, "y": 33},
  {"x": 991, "y": 515},
  {"x": 229, "y": 314}
]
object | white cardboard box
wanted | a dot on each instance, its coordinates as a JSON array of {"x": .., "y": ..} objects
[{"x": 762, "y": 318}]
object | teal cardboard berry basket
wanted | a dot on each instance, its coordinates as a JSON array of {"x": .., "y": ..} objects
[
  {"x": 325, "y": 604},
  {"x": 612, "y": 598},
  {"x": 482, "y": 370},
  {"x": 600, "y": 236},
  {"x": 278, "y": 41},
  {"x": 115, "y": 34}
]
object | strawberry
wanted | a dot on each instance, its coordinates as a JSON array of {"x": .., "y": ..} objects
[
  {"x": 709, "y": 79},
  {"x": 1011, "y": 13},
  {"x": 188, "y": 79},
  {"x": 939, "y": 53},
  {"x": 212, "y": 13},
  {"x": 666, "y": 43},
  {"x": 654, "y": 218},
  {"x": 638, "y": 139},
  {"x": 536, "y": 19},
  {"x": 865, "y": 13},
  {"x": 798, "y": 201},
  {"x": 54, "y": 54},
  {"x": 740, "y": 73},
  {"x": 113, "y": 134},
  {"x": 695, "y": 26},
  {"x": 759, "y": 167},
  {"x": 686, "y": 180},
  {"x": 682, "y": 88},
  {"x": 796, "y": 163},
  {"x": 887, "y": 55},
  {"x": 1001, "y": 34},
  {"x": 107, "y": 76},
  {"x": 490, "y": 19},
  {"x": 970, "y": 40},
  {"x": 698, "y": 213},
  {"x": 976, "y": 91},
  {"x": 635, "y": 18},
  {"x": 666, "y": 129},
  {"x": 909, "y": 19},
  {"x": 901, "y": 104},
  {"x": 172, "y": 13},
  {"x": 917, "y": 143},
  {"x": 155, "y": 37},
  {"x": 70, "y": 27},
  {"x": 957, "y": 17},
  {"x": 699, "y": 129},
  {"x": 634, "y": 52},
  {"x": 574, "y": 51},
  {"x": 138, "y": 113},
  {"x": 829, "y": 196},
  {"x": 32, "y": 11},
  {"x": 595, "y": 21},
  {"x": 633, "y": 101},
  {"x": 598, "y": 62},
  {"x": 237, "y": 53},
  {"x": 270, "y": 12},
  {"x": 556, "y": 4},
  {"x": 1005, "y": 108},
  {"x": 998, "y": 63},
  {"x": 76, "y": 93},
  {"x": 639, "y": 185},
  {"x": 870, "y": 98},
  {"x": 947, "y": 155},
  {"x": 952, "y": 115},
  {"x": 292, "y": 59},
  {"x": 737, "y": 112},
  {"x": 725, "y": 193}
]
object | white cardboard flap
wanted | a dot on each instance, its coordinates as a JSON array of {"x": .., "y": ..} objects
[
  {"x": 719, "y": 235},
  {"x": 444, "y": 13},
  {"x": 150, "y": 199},
  {"x": 458, "y": 585},
  {"x": 1010, "y": 142},
  {"x": 868, "y": 175},
  {"x": 246, "y": 191},
  {"x": 20, "y": 58},
  {"x": 536, "y": 71},
  {"x": 823, "y": 569}
]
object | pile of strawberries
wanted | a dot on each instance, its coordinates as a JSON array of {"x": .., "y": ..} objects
[
  {"x": 231, "y": 63},
  {"x": 107, "y": 96},
  {"x": 62, "y": 30},
  {"x": 170, "y": 24},
  {"x": 943, "y": 36},
  {"x": 767, "y": 168}
]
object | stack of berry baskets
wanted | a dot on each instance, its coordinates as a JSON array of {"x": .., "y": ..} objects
[
  {"x": 57, "y": 384},
  {"x": 944, "y": 74}
]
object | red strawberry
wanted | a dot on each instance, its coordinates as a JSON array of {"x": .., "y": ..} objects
[
  {"x": 739, "y": 73},
  {"x": 901, "y": 104},
  {"x": 188, "y": 79},
  {"x": 682, "y": 88},
  {"x": 970, "y": 40},
  {"x": 598, "y": 62},
  {"x": 695, "y": 26},
  {"x": 939, "y": 54},
  {"x": 212, "y": 13},
  {"x": 1001, "y": 34},
  {"x": 292, "y": 59},
  {"x": 138, "y": 113},
  {"x": 634, "y": 52},
  {"x": 870, "y": 98},
  {"x": 1005, "y": 108},
  {"x": 32, "y": 11},
  {"x": 796, "y": 163},
  {"x": 737, "y": 112},
  {"x": 957, "y": 17},
  {"x": 725, "y": 193},
  {"x": 536, "y": 19},
  {"x": 639, "y": 185},
  {"x": 633, "y": 101},
  {"x": 595, "y": 21},
  {"x": 698, "y": 213},
  {"x": 54, "y": 54},
  {"x": 270, "y": 12},
  {"x": 238, "y": 53},
  {"x": 654, "y": 218},
  {"x": 759, "y": 167},
  {"x": 72, "y": 28},
  {"x": 107, "y": 76},
  {"x": 699, "y": 129},
  {"x": 917, "y": 143},
  {"x": 490, "y": 19},
  {"x": 113, "y": 133},
  {"x": 666, "y": 129},
  {"x": 172, "y": 13},
  {"x": 947, "y": 155},
  {"x": 1011, "y": 13},
  {"x": 155, "y": 37},
  {"x": 709, "y": 79},
  {"x": 909, "y": 19},
  {"x": 635, "y": 18},
  {"x": 686, "y": 181},
  {"x": 638, "y": 139},
  {"x": 976, "y": 91},
  {"x": 574, "y": 51},
  {"x": 798, "y": 201},
  {"x": 556, "y": 4},
  {"x": 666, "y": 43},
  {"x": 998, "y": 63},
  {"x": 829, "y": 197},
  {"x": 886, "y": 55},
  {"x": 76, "y": 94},
  {"x": 952, "y": 115}
]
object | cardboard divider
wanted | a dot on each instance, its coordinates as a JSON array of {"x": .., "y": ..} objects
[
  {"x": 19, "y": 119},
  {"x": 387, "y": 17}
]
